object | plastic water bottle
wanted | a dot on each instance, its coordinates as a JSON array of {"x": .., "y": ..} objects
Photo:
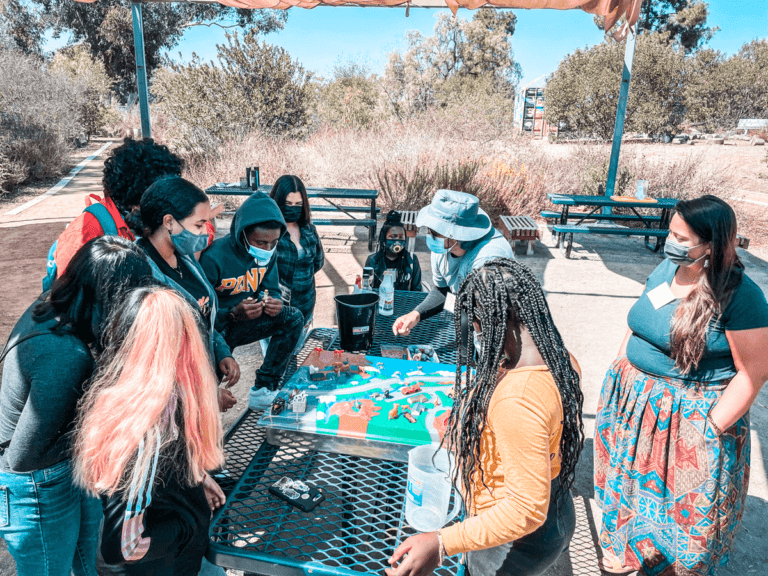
[{"x": 387, "y": 295}]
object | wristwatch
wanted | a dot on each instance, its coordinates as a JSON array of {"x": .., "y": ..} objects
[{"x": 231, "y": 317}]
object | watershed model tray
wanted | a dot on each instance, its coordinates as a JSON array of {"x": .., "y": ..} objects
[{"x": 362, "y": 405}]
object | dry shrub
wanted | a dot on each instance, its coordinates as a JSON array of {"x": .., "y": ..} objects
[
  {"x": 38, "y": 117},
  {"x": 408, "y": 161},
  {"x": 124, "y": 124}
]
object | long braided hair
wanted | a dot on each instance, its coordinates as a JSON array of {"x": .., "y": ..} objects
[{"x": 500, "y": 288}]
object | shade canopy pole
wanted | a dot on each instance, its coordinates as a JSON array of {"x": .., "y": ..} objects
[
  {"x": 141, "y": 69},
  {"x": 621, "y": 112}
]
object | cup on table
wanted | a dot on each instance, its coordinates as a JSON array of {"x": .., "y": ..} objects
[
  {"x": 642, "y": 188},
  {"x": 243, "y": 182}
]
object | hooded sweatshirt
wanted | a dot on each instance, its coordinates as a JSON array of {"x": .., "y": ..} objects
[{"x": 234, "y": 274}]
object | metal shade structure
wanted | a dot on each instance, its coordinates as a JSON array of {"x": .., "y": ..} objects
[{"x": 612, "y": 10}]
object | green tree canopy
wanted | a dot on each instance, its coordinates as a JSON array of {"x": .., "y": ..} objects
[
  {"x": 107, "y": 28},
  {"x": 21, "y": 27},
  {"x": 349, "y": 98},
  {"x": 459, "y": 48},
  {"x": 254, "y": 85},
  {"x": 721, "y": 91},
  {"x": 683, "y": 22},
  {"x": 584, "y": 90}
]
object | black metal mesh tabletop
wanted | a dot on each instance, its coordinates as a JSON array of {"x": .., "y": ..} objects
[
  {"x": 358, "y": 525},
  {"x": 439, "y": 331}
]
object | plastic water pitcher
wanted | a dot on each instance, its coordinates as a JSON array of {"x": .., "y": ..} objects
[
  {"x": 387, "y": 295},
  {"x": 428, "y": 493}
]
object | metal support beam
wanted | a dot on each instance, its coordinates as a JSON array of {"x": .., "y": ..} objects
[
  {"x": 141, "y": 69},
  {"x": 621, "y": 112}
]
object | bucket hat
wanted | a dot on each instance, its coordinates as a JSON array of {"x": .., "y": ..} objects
[{"x": 455, "y": 215}]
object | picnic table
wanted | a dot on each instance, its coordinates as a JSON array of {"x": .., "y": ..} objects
[
  {"x": 361, "y": 521},
  {"x": 334, "y": 199},
  {"x": 564, "y": 227}
]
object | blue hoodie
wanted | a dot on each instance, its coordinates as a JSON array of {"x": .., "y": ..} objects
[{"x": 233, "y": 272}]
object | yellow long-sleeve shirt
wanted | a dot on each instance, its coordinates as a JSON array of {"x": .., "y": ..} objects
[{"x": 520, "y": 456}]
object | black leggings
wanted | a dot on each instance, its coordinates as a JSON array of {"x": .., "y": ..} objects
[{"x": 534, "y": 553}]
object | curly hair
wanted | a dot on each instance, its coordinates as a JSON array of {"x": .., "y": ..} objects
[
  {"x": 501, "y": 289},
  {"x": 132, "y": 167}
]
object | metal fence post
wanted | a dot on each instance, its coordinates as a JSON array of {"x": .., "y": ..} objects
[
  {"x": 621, "y": 112},
  {"x": 141, "y": 69}
]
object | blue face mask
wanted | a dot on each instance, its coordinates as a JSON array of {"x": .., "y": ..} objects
[
  {"x": 679, "y": 254},
  {"x": 437, "y": 245},
  {"x": 187, "y": 243},
  {"x": 262, "y": 257}
]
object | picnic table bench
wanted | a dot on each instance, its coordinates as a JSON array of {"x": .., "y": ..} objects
[
  {"x": 333, "y": 198},
  {"x": 523, "y": 228},
  {"x": 563, "y": 228}
]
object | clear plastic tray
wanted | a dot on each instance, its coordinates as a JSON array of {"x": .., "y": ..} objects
[{"x": 352, "y": 410}]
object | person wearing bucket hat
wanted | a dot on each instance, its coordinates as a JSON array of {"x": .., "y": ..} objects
[{"x": 461, "y": 238}]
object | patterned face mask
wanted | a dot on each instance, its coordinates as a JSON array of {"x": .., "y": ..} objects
[{"x": 395, "y": 246}]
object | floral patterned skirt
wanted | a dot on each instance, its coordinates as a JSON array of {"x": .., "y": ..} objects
[{"x": 671, "y": 491}]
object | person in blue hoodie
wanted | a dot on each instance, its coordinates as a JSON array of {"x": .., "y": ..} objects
[{"x": 242, "y": 268}]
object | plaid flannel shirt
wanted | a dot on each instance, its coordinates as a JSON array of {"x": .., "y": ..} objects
[{"x": 297, "y": 275}]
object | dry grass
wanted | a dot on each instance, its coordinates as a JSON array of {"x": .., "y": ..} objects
[{"x": 408, "y": 161}]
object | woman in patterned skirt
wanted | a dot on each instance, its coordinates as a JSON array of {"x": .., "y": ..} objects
[{"x": 672, "y": 430}]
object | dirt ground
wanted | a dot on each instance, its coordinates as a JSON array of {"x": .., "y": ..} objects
[{"x": 589, "y": 295}]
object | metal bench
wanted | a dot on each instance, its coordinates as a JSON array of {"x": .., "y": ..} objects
[
  {"x": 568, "y": 230},
  {"x": 523, "y": 228},
  {"x": 332, "y": 197},
  {"x": 599, "y": 217}
]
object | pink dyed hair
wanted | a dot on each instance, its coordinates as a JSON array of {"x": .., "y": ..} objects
[{"x": 161, "y": 360}]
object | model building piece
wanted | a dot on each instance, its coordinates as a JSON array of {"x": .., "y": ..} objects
[
  {"x": 393, "y": 414},
  {"x": 412, "y": 400},
  {"x": 299, "y": 403}
]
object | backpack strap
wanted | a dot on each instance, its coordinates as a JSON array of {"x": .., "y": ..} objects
[
  {"x": 105, "y": 219},
  {"x": 8, "y": 346}
]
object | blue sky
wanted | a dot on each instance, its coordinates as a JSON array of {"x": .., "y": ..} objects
[{"x": 321, "y": 37}]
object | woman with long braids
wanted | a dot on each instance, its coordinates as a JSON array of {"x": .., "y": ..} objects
[
  {"x": 516, "y": 431},
  {"x": 672, "y": 427},
  {"x": 392, "y": 255},
  {"x": 148, "y": 432}
]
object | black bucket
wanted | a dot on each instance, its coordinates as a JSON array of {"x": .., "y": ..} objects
[{"x": 356, "y": 315}]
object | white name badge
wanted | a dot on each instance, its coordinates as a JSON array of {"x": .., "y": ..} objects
[
  {"x": 661, "y": 295},
  {"x": 450, "y": 302}
]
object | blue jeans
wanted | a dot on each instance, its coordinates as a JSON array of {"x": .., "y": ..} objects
[{"x": 51, "y": 527}]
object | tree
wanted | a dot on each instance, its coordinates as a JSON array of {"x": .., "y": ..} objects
[
  {"x": 720, "y": 91},
  {"x": 584, "y": 90},
  {"x": 253, "y": 86},
  {"x": 683, "y": 22},
  {"x": 107, "y": 28},
  {"x": 350, "y": 98},
  {"x": 459, "y": 48},
  {"x": 21, "y": 27},
  {"x": 89, "y": 75}
]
